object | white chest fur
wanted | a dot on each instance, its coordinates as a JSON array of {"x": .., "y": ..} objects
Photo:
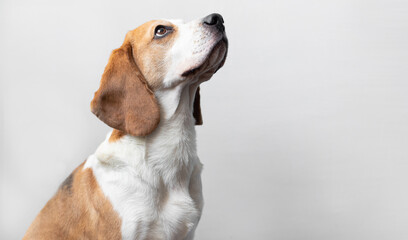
[
  {"x": 154, "y": 182},
  {"x": 150, "y": 209}
]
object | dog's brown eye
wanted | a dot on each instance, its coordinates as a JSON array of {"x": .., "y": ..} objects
[{"x": 162, "y": 31}]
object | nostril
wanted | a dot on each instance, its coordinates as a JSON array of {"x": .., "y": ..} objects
[{"x": 213, "y": 19}]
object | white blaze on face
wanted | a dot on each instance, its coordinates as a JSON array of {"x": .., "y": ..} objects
[{"x": 191, "y": 48}]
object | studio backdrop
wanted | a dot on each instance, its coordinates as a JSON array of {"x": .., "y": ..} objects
[{"x": 305, "y": 131}]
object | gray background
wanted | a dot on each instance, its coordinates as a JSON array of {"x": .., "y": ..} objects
[{"x": 305, "y": 130}]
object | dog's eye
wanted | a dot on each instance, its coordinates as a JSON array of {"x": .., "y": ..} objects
[{"x": 161, "y": 31}]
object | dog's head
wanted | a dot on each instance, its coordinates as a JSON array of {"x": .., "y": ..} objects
[{"x": 156, "y": 56}]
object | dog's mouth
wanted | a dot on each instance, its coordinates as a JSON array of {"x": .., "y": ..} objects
[{"x": 214, "y": 60}]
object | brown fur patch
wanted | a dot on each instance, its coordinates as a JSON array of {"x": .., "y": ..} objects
[
  {"x": 149, "y": 53},
  {"x": 124, "y": 100},
  {"x": 66, "y": 185},
  {"x": 79, "y": 210},
  {"x": 116, "y": 135}
]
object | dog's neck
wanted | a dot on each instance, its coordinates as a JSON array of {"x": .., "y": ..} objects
[{"x": 170, "y": 150}]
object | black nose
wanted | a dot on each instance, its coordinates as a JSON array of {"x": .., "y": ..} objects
[{"x": 215, "y": 20}]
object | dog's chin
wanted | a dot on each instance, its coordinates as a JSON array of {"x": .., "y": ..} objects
[{"x": 211, "y": 63}]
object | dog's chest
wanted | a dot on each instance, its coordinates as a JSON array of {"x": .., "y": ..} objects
[{"x": 150, "y": 209}]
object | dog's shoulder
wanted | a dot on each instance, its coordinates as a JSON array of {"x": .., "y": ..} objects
[{"x": 73, "y": 212}]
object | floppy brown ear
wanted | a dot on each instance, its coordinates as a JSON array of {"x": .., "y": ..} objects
[
  {"x": 124, "y": 100},
  {"x": 197, "y": 108}
]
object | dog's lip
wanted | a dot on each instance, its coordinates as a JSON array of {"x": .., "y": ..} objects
[
  {"x": 194, "y": 70},
  {"x": 225, "y": 40}
]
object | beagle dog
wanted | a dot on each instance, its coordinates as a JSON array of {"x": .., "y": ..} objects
[{"x": 143, "y": 181}]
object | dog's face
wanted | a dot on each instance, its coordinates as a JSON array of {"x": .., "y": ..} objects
[
  {"x": 158, "y": 55},
  {"x": 168, "y": 52}
]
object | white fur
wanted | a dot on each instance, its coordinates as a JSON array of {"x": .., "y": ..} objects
[
  {"x": 190, "y": 50},
  {"x": 154, "y": 182}
]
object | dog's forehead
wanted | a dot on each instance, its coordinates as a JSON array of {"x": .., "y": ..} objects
[
  {"x": 181, "y": 23},
  {"x": 147, "y": 27},
  {"x": 175, "y": 21}
]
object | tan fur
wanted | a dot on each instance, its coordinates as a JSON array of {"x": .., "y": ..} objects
[
  {"x": 116, "y": 135},
  {"x": 79, "y": 210},
  {"x": 149, "y": 53},
  {"x": 125, "y": 99}
]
